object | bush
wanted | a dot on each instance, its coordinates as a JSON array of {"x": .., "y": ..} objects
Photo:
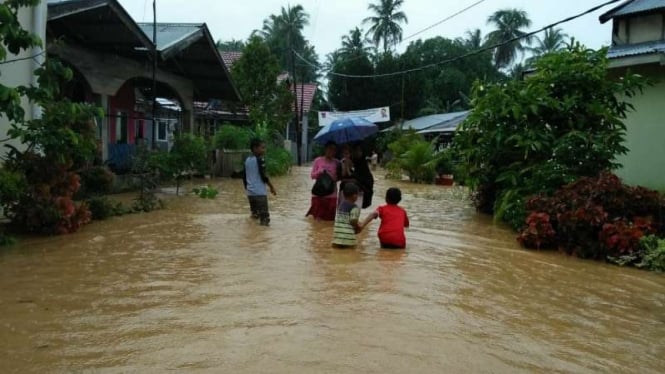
[
  {"x": 599, "y": 218},
  {"x": 96, "y": 180},
  {"x": 206, "y": 192},
  {"x": 232, "y": 137},
  {"x": 532, "y": 136},
  {"x": 189, "y": 154},
  {"x": 103, "y": 208},
  {"x": 415, "y": 157},
  {"x": 278, "y": 161},
  {"x": 653, "y": 256}
]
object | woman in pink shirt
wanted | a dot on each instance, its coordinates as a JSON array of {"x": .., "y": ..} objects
[{"x": 324, "y": 207}]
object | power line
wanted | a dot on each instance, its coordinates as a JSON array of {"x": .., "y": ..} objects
[
  {"x": 473, "y": 53},
  {"x": 443, "y": 20},
  {"x": 23, "y": 58}
]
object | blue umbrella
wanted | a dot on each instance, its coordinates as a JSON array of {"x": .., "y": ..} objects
[{"x": 346, "y": 130}]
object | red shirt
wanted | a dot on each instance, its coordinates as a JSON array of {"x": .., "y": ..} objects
[{"x": 393, "y": 222}]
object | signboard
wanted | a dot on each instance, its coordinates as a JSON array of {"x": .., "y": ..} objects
[{"x": 376, "y": 115}]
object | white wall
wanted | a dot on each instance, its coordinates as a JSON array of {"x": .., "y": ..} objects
[{"x": 21, "y": 72}]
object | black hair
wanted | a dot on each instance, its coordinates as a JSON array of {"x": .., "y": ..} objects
[
  {"x": 393, "y": 196},
  {"x": 350, "y": 189},
  {"x": 255, "y": 143},
  {"x": 330, "y": 143}
]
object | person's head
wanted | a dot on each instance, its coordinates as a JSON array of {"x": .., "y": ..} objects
[
  {"x": 330, "y": 150},
  {"x": 258, "y": 147},
  {"x": 351, "y": 192},
  {"x": 357, "y": 151},
  {"x": 393, "y": 196},
  {"x": 346, "y": 151}
]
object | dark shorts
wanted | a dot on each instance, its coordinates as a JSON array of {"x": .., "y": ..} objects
[{"x": 259, "y": 207}]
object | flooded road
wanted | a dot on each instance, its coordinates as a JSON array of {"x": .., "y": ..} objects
[{"x": 200, "y": 287}]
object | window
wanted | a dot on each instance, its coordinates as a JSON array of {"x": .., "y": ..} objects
[
  {"x": 139, "y": 129},
  {"x": 121, "y": 128},
  {"x": 162, "y": 131}
]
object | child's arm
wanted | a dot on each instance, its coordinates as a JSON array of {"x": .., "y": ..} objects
[
  {"x": 406, "y": 221},
  {"x": 370, "y": 217},
  {"x": 264, "y": 176},
  {"x": 355, "y": 220}
]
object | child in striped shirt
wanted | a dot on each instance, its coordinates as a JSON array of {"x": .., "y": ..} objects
[{"x": 347, "y": 224}]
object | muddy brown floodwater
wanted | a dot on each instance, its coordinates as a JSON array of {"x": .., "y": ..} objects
[{"x": 200, "y": 287}]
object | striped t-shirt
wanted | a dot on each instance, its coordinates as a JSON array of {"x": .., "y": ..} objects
[{"x": 344, "y": 233}]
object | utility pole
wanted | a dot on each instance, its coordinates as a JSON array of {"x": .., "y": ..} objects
[
  {"x": 302, "y": 115},
  {"x": 295, "y": 107},
  {"x": 154, "y": 74}
]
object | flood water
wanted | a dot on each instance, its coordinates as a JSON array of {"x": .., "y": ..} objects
[{"x": 200, "y": 287}]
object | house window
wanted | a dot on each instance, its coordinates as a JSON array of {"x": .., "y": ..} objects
[
  {"x": 121, "y": 128},
  {"x": 162, "y": 131}
]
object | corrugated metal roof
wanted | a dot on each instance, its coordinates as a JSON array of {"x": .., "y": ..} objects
[
  {"x": 170, "y": 34},
  {"x": 632, "y": 7},
  {"x": 636, "y": 49},
  {"x": 447, "y": 126},
  {"x": 309, "y": 90},
  {"x": 426, "y": 122}
]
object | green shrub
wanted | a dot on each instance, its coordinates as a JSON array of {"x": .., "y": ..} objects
[
  {"x": 96, "y": 180},
  {"x": 189, "y": 154},
  {"x": 653, "y": 255},
  {"x": 232, "y": 137},
  {"x": 415, "y": 157},
  {"x": 278, "y": 161},
  {"x": 103, "y": 208},
  {"x": 532, "y": 136},
  {"x": 206, "y": 192}
]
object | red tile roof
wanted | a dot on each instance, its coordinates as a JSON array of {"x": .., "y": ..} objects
[
  {"x": 230, "y": 58},
  {"x": 309, "y": 90}
]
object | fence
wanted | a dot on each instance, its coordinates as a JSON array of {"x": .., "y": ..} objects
[{"x": 230, "y": 162}]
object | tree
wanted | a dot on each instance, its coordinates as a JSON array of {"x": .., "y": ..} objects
[
  {"x": 189, "y": 154},
  {"x": 255, "y": 75},
  {"x": 509, "y": 24},
  {"x": 283, "y": 33},
  {"x": 354, "y": 44},
  {"x": 554, "y": 40},
  {"x": 386, "y": 23},
  {"x": 532, "y": 136},
  {"x": 232, "y": 45},
  {"x": 474, "y": 39}
]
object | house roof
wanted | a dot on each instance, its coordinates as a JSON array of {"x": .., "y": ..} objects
[
  {"x": 230, "y": 58},
  {"x": 629, "y": 50},
  {"x": 98, "y": 25},
  {"x": 633, "y": 7},
  {"x": 427, "y": 122},
  {"x": 447, "y": 126},
  {"x": 188, "y": 49},
  {"x": 309, "y": 90}
]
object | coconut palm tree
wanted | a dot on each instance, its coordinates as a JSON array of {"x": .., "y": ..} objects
[
  {"x": 386, "y": 23},
  {"x": 474, "y": 39},
  {"x": 232, "y": 45},
  {"x": 553, "y": 40},
  {"x": 509, "y": 24},
  {"x": 355, "y": 44}
]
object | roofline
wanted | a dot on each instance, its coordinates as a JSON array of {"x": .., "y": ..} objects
[
  {"x": 642, "y": 59},
  {"x": 213, "y": 46},
  {"x": 87, "y": 5},
  {"x": 609, "y": 14}
]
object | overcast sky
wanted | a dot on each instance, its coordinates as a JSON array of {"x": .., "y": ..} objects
[{"x": 330, "y": 19}]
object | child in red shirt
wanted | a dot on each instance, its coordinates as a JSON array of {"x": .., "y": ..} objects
[{"x": 393, "y": 221}]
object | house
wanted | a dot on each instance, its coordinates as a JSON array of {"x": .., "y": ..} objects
[
  {"x": 436, "y": 126},
  {"x": 18, "y": 70},
  {"x": 112, "y": 59},
  {"x": 638, "y": 46}
]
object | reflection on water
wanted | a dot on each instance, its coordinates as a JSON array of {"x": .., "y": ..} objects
[{"x": 201, "y": 286}]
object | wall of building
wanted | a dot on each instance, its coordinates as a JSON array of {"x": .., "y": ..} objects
[
  {"x": 643, "y": 165},
  {"x": 20, "y": 73},
  {"x": 646, "y": 28}
]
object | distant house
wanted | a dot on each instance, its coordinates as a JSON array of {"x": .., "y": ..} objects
[
  {"x": 638, "y": 45},
  {"x": 441, "y": 126},
  {"x": 19, "y": 69}
]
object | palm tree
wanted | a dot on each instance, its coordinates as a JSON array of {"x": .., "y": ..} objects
[
  {"x": 283, "y": 32},
  {"x": 474, "y": 39},
  {"x": 354, "y": 44},
  {"x": 232, "y": 45},
  {"x": 386, "y": 23},
  {"x": 553, "y": 40},
  {"x": 509, "y": 24}
]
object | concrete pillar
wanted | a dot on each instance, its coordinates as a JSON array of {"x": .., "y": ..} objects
[
  {"x": 105, "y": 126},
  {"x": 305, "y": 138}
]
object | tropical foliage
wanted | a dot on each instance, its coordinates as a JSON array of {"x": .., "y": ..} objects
[
  {"x": 188, "y": 155},
  {"x": 509, "y": 24},
  {"x": 385, "y": 23},
  {"x": 414, "y": 157},
  {"x": 533, "y": 136}
]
